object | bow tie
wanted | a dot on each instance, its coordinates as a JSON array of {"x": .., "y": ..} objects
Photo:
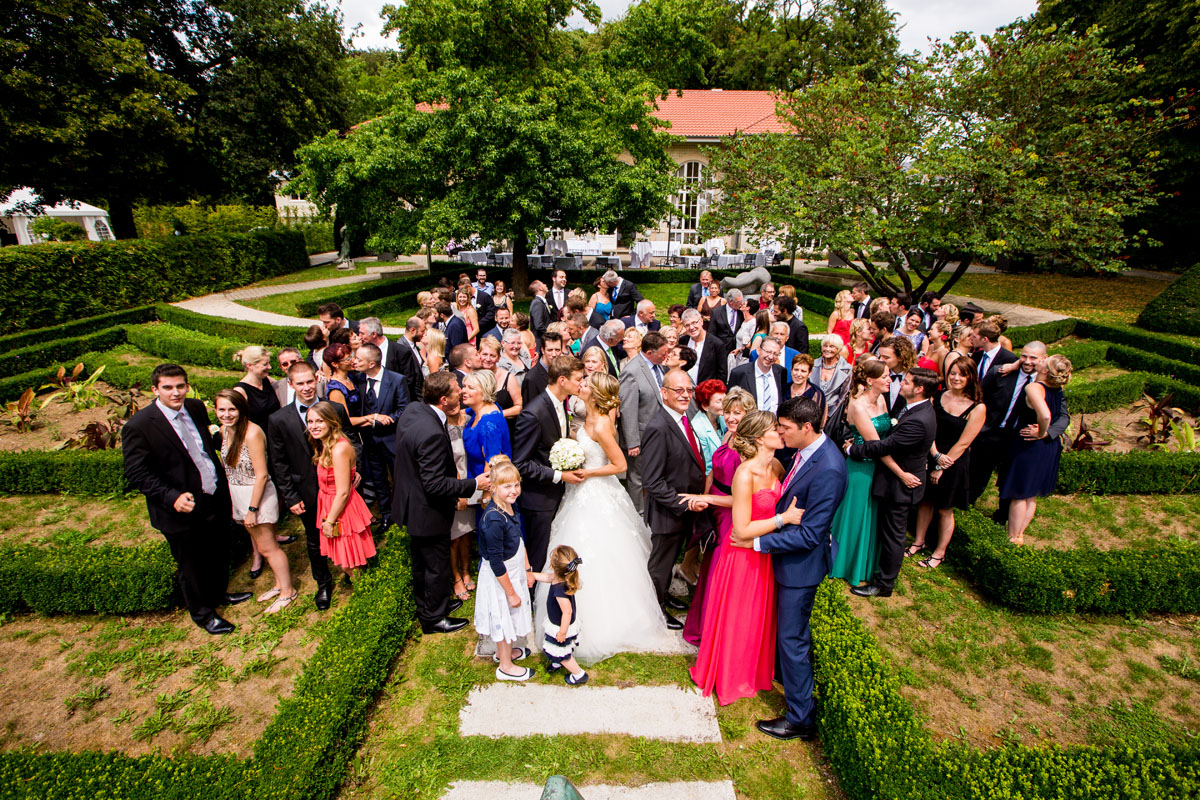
[{"x": 897, "y": 376}]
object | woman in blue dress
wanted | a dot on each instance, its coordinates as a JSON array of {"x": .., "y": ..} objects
[
  {"x": 1034, "y": 456},
  {"x": 600, "y": 304},
  {"x": 486, "y": 433}
]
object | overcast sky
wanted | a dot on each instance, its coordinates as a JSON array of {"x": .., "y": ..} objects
[{"x": 919, "y": 19}]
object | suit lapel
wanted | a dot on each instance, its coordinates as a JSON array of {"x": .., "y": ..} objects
[{"x": 167, "y": 430}]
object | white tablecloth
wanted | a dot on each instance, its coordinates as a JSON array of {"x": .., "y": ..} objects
[
  {"x": 664, "y": 249},
  {"x": 584, "y": 247},
  {"x": 639, "y": 254},
  {"x": 714, "y": 247},
  {"x": 473, "y": 256},
  {"x": 691, "y": 261},
  {"x": 556, "y": 247},
  {"x": 725, "y": 262}
]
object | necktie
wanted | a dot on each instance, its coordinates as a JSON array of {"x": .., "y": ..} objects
[
  {"x": 733, "y": 320},
  {"x": 372, "y": 396},
  {"x": 792, "y": 472},
  {"x": 658, "y": 376},
  {"x": 983, "y": 360},
  {"x": 691, "y": 437},
  {"x": 1012, "y": 404},
  {"x": 204, "y": 465},
  {"x": 563, "y": 425},
  {"x": 764, "y": 394}
]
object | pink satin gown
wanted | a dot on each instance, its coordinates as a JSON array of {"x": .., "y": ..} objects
[{"x": 354, "y": 545}]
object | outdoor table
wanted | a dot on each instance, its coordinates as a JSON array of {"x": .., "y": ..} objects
[
  {"x": 473, "y": 256},
  {"x": 639, "y": 254},
  {"x": 583, "y": 247}
]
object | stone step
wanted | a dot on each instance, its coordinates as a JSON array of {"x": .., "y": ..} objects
[
  {"x": 682, "y": 790},
  {"x": 670, "y": 713}
]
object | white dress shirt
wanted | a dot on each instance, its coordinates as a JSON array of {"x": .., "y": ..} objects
[
  {"x": 184, "y": 426},
  {"x": 1023, "y": 380},
  {"x": 988, "y": 360},
  {"x": 561, "y": 414},
  {"x": 694, "y": 372},
  {"x": 768, "y": 394}
]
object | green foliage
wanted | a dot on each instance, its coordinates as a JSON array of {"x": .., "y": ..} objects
[
  {"x": 1106, "y": 394},
  {"x": 182, "y": 346},
  {"x": 34, "y": 289},
  {"x": 1046, "y": 332},
  {"x": 156, "y": 222},
  {"x": 55, "y": 229},
  {"x": 30, "y": 775},
  {"x": 98, "y": 474},
  {"x": 1135, "y": 472},
  {"x": 71, "y": 330},
  {"x": 1132, "y": 358},
  {"x": 1081, "y": 354},
  {"x": 1177, "y": 309},
  {"x": 56, "y": 350},
  {"x": 1140, "y": 339},
  {"x": 81, "y": 579},
  {"x": 237, "y": 330}
]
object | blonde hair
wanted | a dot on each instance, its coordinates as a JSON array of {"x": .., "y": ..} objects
[
  {"x": 486, "y": 382},
  {"x": 879, "y": 304},
  {"x": 489, "y": 343},
  {"x": 323, "y": 447},
  {"x": 755, "y": 425},
  {"x": 858, "y": 332},
  {"x": 787, "y": 290},
  {"x": 606, "y": 392},
  {"x": 1058, "y": 371},
  {"x": 435, "y": 344},
  {"x": 422, "y": 297},
  {"x": 503, "y": 470},
  {"x": 251, "y": 355},
  {"x": 599, "y": 352},
  {"x": 952, "y": 314},
  {"x": 841, "y": 301},
  {"x": 737, "y": 396},
  {"x": 555, "y": 327},
  {"x": 560, "y": 559}
]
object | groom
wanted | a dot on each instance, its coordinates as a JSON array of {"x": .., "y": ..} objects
[
  {"x": 801, "y": 556},
  {"x": 542, "y": 423}
]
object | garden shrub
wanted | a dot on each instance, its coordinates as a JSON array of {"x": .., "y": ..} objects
[
  {"x": 122, "y": 375},
  {"x": 182, "y": 346},
  {"x": 1046, "y": 332},
  {"x": 82, "y": 327},
  {"x": 274, "y": 336},
  {"x": 48, "y": 283},
  {"x": 1140, "y": 339},
  {"x": 32, "y": 775},
  {"x": 1132, "y": 358},
  {"x": 1081, "y": 354},
  {"x": 55, "y": 351},
  {"x": 95, "y": 473},
  {"x": 1177, "y": 309},
  {"x": 81, "y": 579},
  {"x": 1106, "y": 394},
  {"x": 159, "y": 222},
  {"x": 1135, "y": 472}
]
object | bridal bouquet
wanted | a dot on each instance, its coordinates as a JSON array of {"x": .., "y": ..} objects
[{"x": 566, "y": 455}]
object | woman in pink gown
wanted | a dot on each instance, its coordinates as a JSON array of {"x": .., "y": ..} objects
[
  {"x": 737, "y": 647},
  {"x": 344, "y": 518}
]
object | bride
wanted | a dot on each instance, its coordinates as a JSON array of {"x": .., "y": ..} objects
[{"x": 617, "y": 607}]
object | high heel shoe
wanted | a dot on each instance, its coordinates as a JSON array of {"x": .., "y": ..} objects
[{"x": 460, "y": 591}]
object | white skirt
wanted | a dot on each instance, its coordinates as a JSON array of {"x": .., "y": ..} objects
[
  {"x": 494, "y": 617},
  {"x": 551, "y": 646},
  {"x": 268, "y": 506}
]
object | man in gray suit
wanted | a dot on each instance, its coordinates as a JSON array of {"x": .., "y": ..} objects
[{"x": 641, "y": 398}]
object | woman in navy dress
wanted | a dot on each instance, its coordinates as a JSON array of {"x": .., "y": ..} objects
[
  {"x": 1033, "y": 466},
  {"x": 341, "y": 389}
]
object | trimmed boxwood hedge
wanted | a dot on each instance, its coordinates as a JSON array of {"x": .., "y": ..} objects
[
  {"x": 182, "y": 346},
  {"x": 96, "y": 474},
  {"x": 274, "y": 336},
  {"x": 71, "y": 330},
  {"x": 880, "y": 749},
  {"x": 1046, "y": 332},
  {"x": 81, "y": 579},
  {"x": 53, "y": 352},
  {"x": 30, "y": 775},
  {"x": 1135, "y": 472},
  {"x": 1132, "y": 358},
  {"x": 1140, "y": 339},
  {"x": 1177, "y": 309},
  {"x": 47, "y": 283}
]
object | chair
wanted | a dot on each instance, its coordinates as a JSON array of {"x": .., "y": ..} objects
[
  {"x": 704, "y": 262},
  {"x": 749, "y": 259},
  {"x": 565, "y": 262}
]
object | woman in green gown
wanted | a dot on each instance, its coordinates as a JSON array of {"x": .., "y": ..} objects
[{"x": 854, "y": 522}]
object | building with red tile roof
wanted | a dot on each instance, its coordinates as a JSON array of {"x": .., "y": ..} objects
[{"x": 706, "y": 115}]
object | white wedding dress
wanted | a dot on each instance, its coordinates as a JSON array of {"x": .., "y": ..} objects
[{"x": 618, "y": 610}]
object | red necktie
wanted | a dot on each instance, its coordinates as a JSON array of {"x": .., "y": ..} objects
[
  {"x": 691, "y": 437},
  {"x": 792, "y": 473}
]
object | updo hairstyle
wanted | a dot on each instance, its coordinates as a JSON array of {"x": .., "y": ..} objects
[
  {"x": 606, "y": 392},
  {"x": 755, "y": 425}
]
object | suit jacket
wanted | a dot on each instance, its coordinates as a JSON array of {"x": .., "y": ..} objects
[
  {"x": 534, "y": 382},
  {"x": 626, "y": 298},
  {"x": 556, "y": 310},
  {"x": 798, "y": 338},
  {"x": 714, "y": 359},
  {"x": 746, "y": 376},
  {"x": 391, "y": 360},
  {"x": 290, "y": 456},
  {"x": 592, "y": 339},
  {"x": 862, "y": 310},
  {"x": 537, "y": 431},
  {"x": 426, "y": 485},
  {"x": 719, "y": 328},
  {"x": 391, "y": 399},
  {"x": 997, "y": 388},
  {"x": 802, "y": 555},
  {"x": 495, "y": 333},
  {"x": 540, "y": 316},
  {"x": 486, "y": 309},
  {"x": 631, "y": 322},
  {"x": 408, "y": 366},
  {"x": 641, "y": 400},
  {"x": 669, "y": 468},
  {"x": 456, "y": 333},
  {"x": 908, "y": 443},
  {"x": 158, "y": 465},
  {"x": 695, "y": 292}
]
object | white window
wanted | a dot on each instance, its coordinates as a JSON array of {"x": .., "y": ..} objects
[
  {"x": 688, "y": 202},
  {"x": 102, "y": 231}
]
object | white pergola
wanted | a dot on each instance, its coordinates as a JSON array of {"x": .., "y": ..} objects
[{"x": 16, "y": 216}]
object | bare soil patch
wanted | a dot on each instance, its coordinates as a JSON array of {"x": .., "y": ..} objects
[
  {"x": 58, "y": 422},
  {"x": 1121, "y": 427}
]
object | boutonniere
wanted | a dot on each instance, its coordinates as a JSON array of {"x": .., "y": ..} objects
[{"x": 894, "y": 422}]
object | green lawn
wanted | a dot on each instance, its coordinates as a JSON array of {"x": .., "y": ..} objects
[{"x": 324, "y": 272}]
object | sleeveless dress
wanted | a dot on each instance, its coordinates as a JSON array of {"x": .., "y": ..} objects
[
  {"x": 618, "y": 608},
  {"x": 353, "y": 408},
  {"x": 952, "y": 489},
  {"x": 725, "y": 461},
  {"x": 261, "y": 402},
  {"x": 737, "y": 648},
  {"x": 1033, "y": 468},
  {"x": 241, "y": 488},
  {"x": 603, "y": 309},
  {"x": 841, "y": 328},
  {"x": 854, "y": 522},
  {"x": 353, "y": 545}
]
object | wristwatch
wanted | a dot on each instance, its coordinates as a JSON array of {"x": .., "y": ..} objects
[{"x": 252, "y": 508}]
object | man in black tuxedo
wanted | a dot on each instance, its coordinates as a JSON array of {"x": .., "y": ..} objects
[
  {"x": 763, "y": 378},
  {"x": 485, "y": 307},
  {"x": 371, "y": 331},
  {"x": 699, "y": 290},
  {"x": 644, "y": 320},
  {"x": 463, "y": 360},
  {"x": 171, "y": 459},
  {"x": 503, "y": 322},
  {"x": 929, "y": 305},
  {"x": 332, "y": 317},
  {"x": 724, "y": 322},
  {"x": 540, "y": 424},
  {"x": 899, "y": 355},
  {"x": 557, "y": 296},
  {"x": 672, "y": 466},
  {"x": 625, "y": 296},
  {"x": 384, "y": 396},
  {"x": 908, "y": 442},
  {"x": 1003, "y": 390},
  {"x": 293, "y": 470},
  {"x": 427, "y": 489},
  {"x": 785, "y": 309},
  {"x": 409, "y": 358},
  {"x": 538, "y": 377},
  {"x": 540, "y": 313},
  {"x": 712, "y": 359}
]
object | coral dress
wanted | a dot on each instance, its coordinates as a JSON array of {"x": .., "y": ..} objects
[
  {"x": 354, "y": 545},
  {"x": 842, "y": 328},
  {"x": 737, "y": 647},
  {"x": 725, "y": 461}
]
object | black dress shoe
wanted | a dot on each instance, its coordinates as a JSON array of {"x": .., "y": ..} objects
[
  {"x": 287, "y": 539},
  {"x": 218, "y": 625},
  {"x": 322, "y": 598},
  {"x": 673, "y": 623},
  {"x": 675, "y": 604},
  {"x": 780, "y": 728},
  {"x": 233, "y": 598},
  {"x": 455, "y": 605},
  {"x": 870, "y": 590},
  {"x": 445, "y": 625},
  {"x": 254, "y": 573}
]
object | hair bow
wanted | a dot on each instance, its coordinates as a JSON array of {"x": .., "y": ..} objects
[{"x": 573, "y": 565}]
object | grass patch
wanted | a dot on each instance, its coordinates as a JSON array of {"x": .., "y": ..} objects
[
  {"x": 55, "y": 520},
  {"x": 323, "y": 272}
]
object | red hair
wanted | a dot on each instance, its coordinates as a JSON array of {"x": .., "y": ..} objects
[{"x": 706, "y": 390}]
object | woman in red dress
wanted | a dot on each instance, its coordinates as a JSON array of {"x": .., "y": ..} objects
[
  {"x": 737, "y": 647},
  {"x": 344, "y": 518}
]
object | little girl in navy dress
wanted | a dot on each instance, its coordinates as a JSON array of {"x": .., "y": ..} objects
[{"x": 561, "y": 625}]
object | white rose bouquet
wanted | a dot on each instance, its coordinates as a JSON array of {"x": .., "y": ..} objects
[{"x": 566, "y": 455}]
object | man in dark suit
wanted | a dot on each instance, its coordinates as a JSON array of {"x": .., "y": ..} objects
[
  {"x": 538, "y": 377},
  {"x": 724, "y": 322},
  {"x": 455, "y": 328},
  {"x": 503, "y": 322},
  {"x": 625, "y": 296},
  {"x": 384, "y": 396},
  {"x": 859, "y": 295},
  {"x": 672, "y": 466},
  {"x": 763, "y": 378},
  {"x": 785, "y": 309},
  {"x": 608, "y": 339},
  {"x": 699, "y": 290},
  {"x": 990, "y": 450},
  {"x": 899, "y": 355},
  {"x": 712, "y": 359},
  {"x": 540, "y": 424},
  {"x": 409, "y": 358},
  {"x": 908, "y": 443},
  {"x": 540, "y": 312},
  {"x": 427, "y": 489},
  {"x": 371, "y": 331},
  {"x": 293, "y": 470},
  {"x": 462, "y": 360},
  {"x": 332, "y": 317},
  {"x": 801, "y": 556},
  {"x": 485, "y": 306},
  {"x": 644, "y": 320},
  {"x": 557, "y": 297},
  {"x": 171, "y": 459},
  {"x": 929, "y": 305}
]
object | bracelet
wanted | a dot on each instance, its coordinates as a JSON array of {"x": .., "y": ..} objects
[{"x": 778, "y": 521}]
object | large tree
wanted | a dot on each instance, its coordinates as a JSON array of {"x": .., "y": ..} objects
[
  {"x": 132, "y": 101},
  {"x": 506, "y": 127},
  {"x": 975, "y": 152}
]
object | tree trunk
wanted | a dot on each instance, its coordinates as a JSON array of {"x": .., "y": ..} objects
[
  {"x": 429, "y": 254},
  {"x": 120, "y": 213},
  {"x": 959, "y": 271},
  {"x": 520, "y": 273}
]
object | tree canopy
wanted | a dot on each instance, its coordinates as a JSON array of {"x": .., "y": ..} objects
[{"x": 976, "y": 151}]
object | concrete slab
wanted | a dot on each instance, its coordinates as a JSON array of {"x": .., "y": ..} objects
[
  {"x": 682, "y": 790},
  {"x": 670, "y": 713}
]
